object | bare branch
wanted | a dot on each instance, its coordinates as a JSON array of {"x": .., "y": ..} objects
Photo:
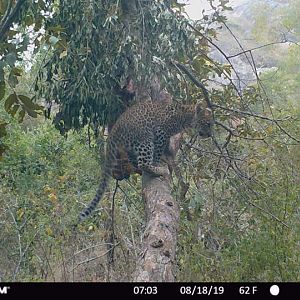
[
  {"x": 247, "y": 113},
  {"x": 257, "y": 116},
  {"x": 259, "y": 47},
  {"x": 267, "y": 213},
  {"x": 223, "y": 53},
  {"x": 215, "y": 153},
  {"x": 232, "y": 133},
  {"x": 92, "y": 258}
]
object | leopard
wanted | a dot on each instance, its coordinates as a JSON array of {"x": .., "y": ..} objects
[{"x": 141, "y": 135}]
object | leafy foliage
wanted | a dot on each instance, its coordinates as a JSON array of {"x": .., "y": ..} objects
[
  {"x": 21, "y": 25},
  {"x": 104, "y": 45}
]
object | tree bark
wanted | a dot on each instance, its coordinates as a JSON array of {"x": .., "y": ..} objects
[{"x": 156, "y": 261}]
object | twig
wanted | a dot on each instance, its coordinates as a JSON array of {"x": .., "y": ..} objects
[
  {"x": 231, "y": 132},
  {"x": 93, "y": 258},
  {"x": 253, "y": 66},
  {"x": 88, "y": 248},
  {"x": 257, "y": 116},
  {"x": 256, "y": 48},
  {"x": 111, "y": 229},
  {"x": 19, "y": 242},
  {"x": 216, "y": 154},
  {"x": 268, "y": 213},
  {"x": 181, "y": 73},
  {"x": 131, "y": 229},
  {"x": 284, "y": 131},
  {"x": 247, "y": 113},
  {"x": 128, "y": 198}
]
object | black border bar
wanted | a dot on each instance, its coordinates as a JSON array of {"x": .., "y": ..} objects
[{"x": 150, "y": 290}]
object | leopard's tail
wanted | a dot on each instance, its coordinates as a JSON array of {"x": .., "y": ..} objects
[{"x": 104, "y": 182}]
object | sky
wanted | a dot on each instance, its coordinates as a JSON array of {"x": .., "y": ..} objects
[{"x": 195, "y": 7}]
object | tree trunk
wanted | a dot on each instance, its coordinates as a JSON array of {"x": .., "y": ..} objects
[{"x": 156, "y": 261}]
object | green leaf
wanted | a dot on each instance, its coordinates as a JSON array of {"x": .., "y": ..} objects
[
  {"x": 14, "y": 110},
  {"x": 21, "y": 116},
  {"x": 38, "y": 23},
  {"x": 30, "y": 112},
  {"x": 13, "y": 80},
  {"x": 11, "y": 59},
  {"x": 27, "y": 101},
  {"x": 29, "y": 104},
  {"x": 11, "y": 99},
  {"x": 42, "y": 4},
  {"x": 2, "y": 65},
  {"x": 2, "y": 89},
  {"x": 29, "y": 20},
  {"x": 57, "y": 28},
  {"x": 12, "y": 33},
  {"x": 62, "y": 45}
]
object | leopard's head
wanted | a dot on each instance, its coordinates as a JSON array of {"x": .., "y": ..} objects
[{"x": 203, "y": 121}]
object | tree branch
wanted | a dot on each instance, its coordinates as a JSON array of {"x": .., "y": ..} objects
[
  {"x": 258, "y": 47},
  {"x": 247, "y": 113},
  {"x": 194, "y": 80},
  {"x": 157, "y": 258},
  {"x": 223, "y": 53}
]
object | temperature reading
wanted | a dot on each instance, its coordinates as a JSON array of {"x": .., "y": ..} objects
[{"x": 247, "y": 290}]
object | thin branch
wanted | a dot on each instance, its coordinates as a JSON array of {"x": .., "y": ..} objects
[
  {"x": 210, "y": 104},
  {"x": 247, "y": 113},
  {"x": 256, "y": 48},
  {"x": 268, "y": 213},
  {"x": 284, "y": 131},
  {"x": 19, "y": 242},
  {"x": 194, "y": 80},
  {"x": 232, "y": 133},
  {"x": 223, "y": 53},
  {"x": 181, "y": 74},
  {"x": 252, "y": 63},
  {"x": 257, "y": 116},
  {"x": 127, "y": 198},
  {"x": 215, "y": 153},
  {"x": 89, "y": 248},
  {"x": 92, "y": 258}
]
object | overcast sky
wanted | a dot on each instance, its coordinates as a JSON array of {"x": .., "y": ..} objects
[{"x": 195, "y": 7}]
